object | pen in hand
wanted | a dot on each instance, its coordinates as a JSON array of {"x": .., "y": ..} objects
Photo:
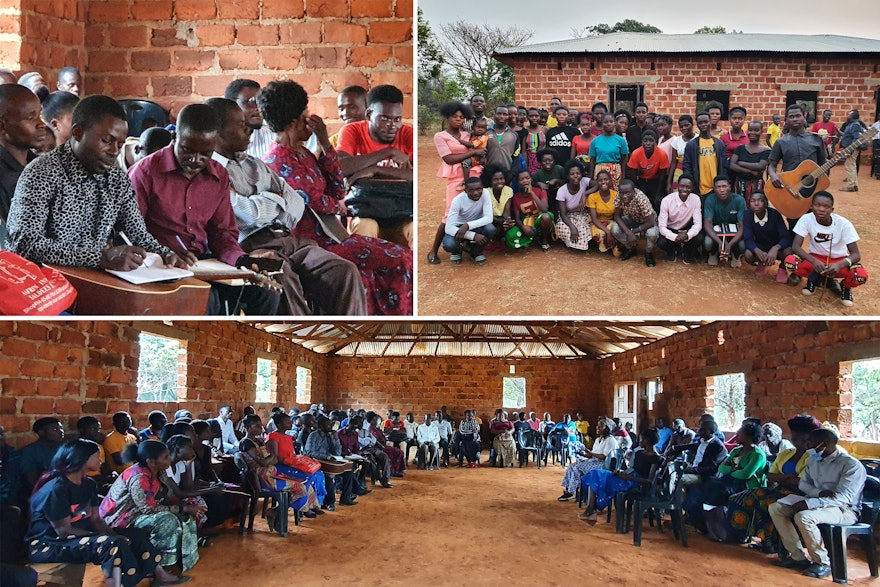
[{"x": 186, "y": 255}]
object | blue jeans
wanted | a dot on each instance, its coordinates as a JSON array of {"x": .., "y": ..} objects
[{"x": 454, "y": 248}]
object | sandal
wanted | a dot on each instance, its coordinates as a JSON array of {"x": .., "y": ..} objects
[
  {"x": 455, "y": 259},
  {"x": 433, "y": 259}
]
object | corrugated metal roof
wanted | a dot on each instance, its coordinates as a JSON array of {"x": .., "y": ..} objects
[{"x": 660, "y": 43}]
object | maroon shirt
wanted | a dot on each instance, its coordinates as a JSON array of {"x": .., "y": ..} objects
[{"x": 199, "y": 210}]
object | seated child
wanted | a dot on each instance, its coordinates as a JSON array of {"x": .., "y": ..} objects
[{"x": 528, "y": 210}]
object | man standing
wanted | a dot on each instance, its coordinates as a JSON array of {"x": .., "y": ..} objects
[
  {"x": 21, "y": 129},
  {"x": 794, "y": 147},
  {"x": 830, "y": 129},
  {"x": 704, "y": 157},
  {"x": 478, "y": 105},
  {"x": 723, "y": 224},
  {"x": 380, "y": 147},
  {"x": 854, "y": 128},
  {"x": 634, "y": 131},
  {"x": 70, "y": 202},
  {"x": 244, "y": 93},
  {"x": 228, "y": 440},
  {"x": 503, "y": 143},
  {"x": 832, "y": 484},
  {"x": 70, "y": 80},
  {"x": 266, "y": 210},
  {"x": 184, "y": 197}
]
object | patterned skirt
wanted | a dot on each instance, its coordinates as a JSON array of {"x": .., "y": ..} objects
[
  {"x": 174, "y": 537},
  {"x": 751, "y": 508},
  {"x": 575, "y": 472},
  {"x": 581, "y": 221},
  {"x": 601, "y": 237}
]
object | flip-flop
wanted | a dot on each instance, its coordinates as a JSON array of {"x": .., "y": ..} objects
[{"x": 433, "y": 259}]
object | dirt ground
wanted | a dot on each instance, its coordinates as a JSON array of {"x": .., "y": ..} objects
[
  {"x": 562, "y": 282},
  {"x": 478, "y": 527}
]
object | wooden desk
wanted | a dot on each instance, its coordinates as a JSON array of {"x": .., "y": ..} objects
[{"x": 102, "y": 294}]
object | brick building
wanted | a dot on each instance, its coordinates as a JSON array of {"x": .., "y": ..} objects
[
  {"x": 176, "y": 53},
  {"x": 678, "y": 74},
  {"x": 71, "y": 369}
]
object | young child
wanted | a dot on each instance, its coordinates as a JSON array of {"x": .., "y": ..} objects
[
  {"x": 834, "y": 250},
  {"x": 549, "y": 177},
  {"x": 473, "y": 167},
  {"x": 528, "y": 209}
]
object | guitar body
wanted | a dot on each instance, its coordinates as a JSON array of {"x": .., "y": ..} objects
[
  {"x": 102, "y": 294},
  {"x": 794, "y": 199}
]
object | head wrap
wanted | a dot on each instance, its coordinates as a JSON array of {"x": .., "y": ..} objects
[{"x": 773, "y": 433}]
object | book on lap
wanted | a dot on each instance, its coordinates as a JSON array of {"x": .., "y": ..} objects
[{"x": 152, "y": 270}]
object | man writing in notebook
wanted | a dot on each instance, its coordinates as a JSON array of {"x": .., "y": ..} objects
[
  {"x": 72, "y": 204},
  {"x": 184, "y": 198}
]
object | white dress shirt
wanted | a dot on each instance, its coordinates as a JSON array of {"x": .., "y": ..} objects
[
  {"x": 428, "y": 433},
  {"x": 839, "y": 473},
  {"x": 228, "y": 440}
]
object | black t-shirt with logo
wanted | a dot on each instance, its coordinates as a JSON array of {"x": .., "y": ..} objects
[{"x": 559, "y": 139}]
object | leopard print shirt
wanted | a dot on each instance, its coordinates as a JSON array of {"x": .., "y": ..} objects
[{"x": 63, "y": 214}]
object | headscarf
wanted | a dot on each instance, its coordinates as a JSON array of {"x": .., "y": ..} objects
[{"x": 772, "y": 433}]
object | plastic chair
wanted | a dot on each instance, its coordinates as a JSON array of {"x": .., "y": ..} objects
[
  {"x": 557, "y": 447},
  {"x": 530, "y": 441},
  {"x": 251, "y": 484},
  {"x": 143, "y": 114},
  {"x": 668, "y": 497},
  {"x": 835, "y": 535},
  {"x": 872, "y": 467}
]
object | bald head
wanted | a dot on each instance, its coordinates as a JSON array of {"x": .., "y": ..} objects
[{"x": 7, "y": 77}]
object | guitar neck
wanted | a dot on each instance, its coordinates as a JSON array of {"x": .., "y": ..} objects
[{"x": 863, "y": 138}]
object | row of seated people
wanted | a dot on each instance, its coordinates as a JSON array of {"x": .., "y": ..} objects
[
  {"x": 157, "y": 487},
  {"x": 763, "y": 487},
  {"x": 281, "y": 212}
]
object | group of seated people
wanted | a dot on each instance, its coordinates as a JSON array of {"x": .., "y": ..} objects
[
  {"x": 614, "y": 180},
  {"x": 757, "y": 485},
  {"x": 264, "y": 182}
]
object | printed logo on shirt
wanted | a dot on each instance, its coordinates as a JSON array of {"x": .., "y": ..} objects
[
  {"x": 823, "y": 237},
  {"x": 707, "y": 151},
  {"x": 560, "y": 140},
  {"x": 76, "y": 516}
]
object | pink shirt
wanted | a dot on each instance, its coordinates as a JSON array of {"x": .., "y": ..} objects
[
  {"x": 573, "y": 201},
  {"x": 675, "y": 214},
  {"x": 449, "y": 145},
  {"x": 198, "y": 211}
]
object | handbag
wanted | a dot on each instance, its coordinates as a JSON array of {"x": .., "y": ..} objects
[
  {"x": 26, "y": 289},
  {"x": 303, "y": 463},
  {"x": 387, "y": 201}
]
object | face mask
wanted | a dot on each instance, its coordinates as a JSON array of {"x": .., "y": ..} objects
[{"x": 815, "y": 454}]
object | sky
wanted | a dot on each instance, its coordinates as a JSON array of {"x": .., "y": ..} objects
[{"x": 553, "y": 22}]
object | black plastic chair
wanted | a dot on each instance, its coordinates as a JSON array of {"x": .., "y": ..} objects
[
  {"x": 143, "y": 114},
  {"x": 835, "y": 535},
  {"x": 666, "y": 498},
  {"x": 872, "y": 467},
  {"x": 557, "y": 447},
  {"x": 530, "y": 441},
  {"x": 251, "y": 484}
]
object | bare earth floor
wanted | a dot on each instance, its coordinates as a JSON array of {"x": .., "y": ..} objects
[
  {"x": 479, "y": 527},
  {"x": 562, "y": 282}
]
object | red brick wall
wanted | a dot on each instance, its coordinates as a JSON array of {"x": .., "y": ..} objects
[
  {"x": 72, "y": 369},
  {"x": 421, "y": 385},
  {"x": 176, "y": 53},
  {"x": 759, "y": 78},
  {"x": 790, "y": 367},
  {"x": 49, "y": 36}
]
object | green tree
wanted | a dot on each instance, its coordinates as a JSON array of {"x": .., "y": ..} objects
[
  {"x": 866, "y": 400},
  {"x": 157, "y": 368},
  {"x": 430, "y": 57},
  {"x": 625, "y": 26},
  {"x": 730, "y": 400},
  {"x": 714, "y": 30}
]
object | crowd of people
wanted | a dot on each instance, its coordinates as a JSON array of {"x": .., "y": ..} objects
[
  {"x": 756, "y": 487},
  {"x": 265, "y": 187},
  {"x": 603, "y": 180}
]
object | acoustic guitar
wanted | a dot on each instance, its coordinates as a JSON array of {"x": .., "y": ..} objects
[{"x": 795, "y": 197}]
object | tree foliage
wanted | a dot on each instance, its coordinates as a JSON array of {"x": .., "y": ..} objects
[
  {"x": 467, "y": 49},
  {"x": 866, "y": 400},
  {"x": 715, "y": 30},
  {"x": 625, "y": 26},
  {"x": 730, "y": 400},
  {"x": 430, "y": 57},
  {"x": 157, "y": 369}
]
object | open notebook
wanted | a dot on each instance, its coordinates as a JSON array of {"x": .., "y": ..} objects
[{"x": 152, "y": 270}]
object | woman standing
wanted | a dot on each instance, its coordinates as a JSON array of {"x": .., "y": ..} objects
[
  {"x": 609, "y": 151},
  {"x": 66, "y": 527},
  {"x": 454, "y": 148},
  {"x": 386, "y": 269},
  {"x": 142, "y": 498},
  {"x": 534, "y": 141},
  {"x": 573, "y": 226},
  {"x": 749, "y": 162}
]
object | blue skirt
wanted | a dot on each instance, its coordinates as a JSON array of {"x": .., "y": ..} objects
[
  {"x": 315, "y": 481},
  {"x": 605, "y": 485}
]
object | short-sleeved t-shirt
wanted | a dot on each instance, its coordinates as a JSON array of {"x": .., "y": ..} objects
[
  {"x": 775, "y": 132},
  {"x": 542, "y": 176},
  {"x": 729, "y": 212},
  {"x": 572, "y": 200},
  {"x": 355, "y": 139},
  {"x": 838, "y": 235},
  {"x": 525, "y": 205},
  {"x": 116, "y": 442},
  {"x": 498, "y": 205},
  {"x": 708, "y": 163},
  {"x": 605, "y": 149},
  {"x": 604, "y": 210},
  {"x": 650, "y": 167},
  {"x": 37, "y": 456},
  {"x": 59, "y": 498},
  {"x": 639, "y": 208},
  {"x": 559, "y": 140}
]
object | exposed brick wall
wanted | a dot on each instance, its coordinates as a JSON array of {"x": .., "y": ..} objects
[
  {"x": 790, "y": 367},
  {"x": 759, "y": 81},
  {"x": 422, "y": 385},
  {"x": 72, "y": 369},
  {"x": 180, "y": 52}
]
